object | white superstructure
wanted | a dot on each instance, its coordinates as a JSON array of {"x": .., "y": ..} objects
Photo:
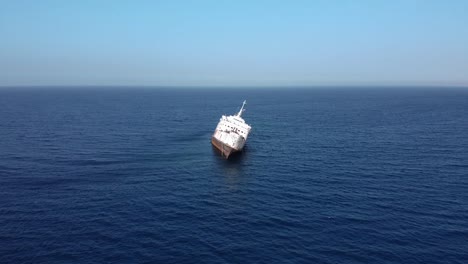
[{"x": 232, "y": 131}]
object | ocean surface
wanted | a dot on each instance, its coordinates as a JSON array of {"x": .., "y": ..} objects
[{"x": 329, "y": 175}]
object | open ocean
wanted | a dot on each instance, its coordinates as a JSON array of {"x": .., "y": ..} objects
[{"x": 329, "y": 175}]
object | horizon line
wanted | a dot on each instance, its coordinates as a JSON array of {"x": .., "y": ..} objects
[{"x": 240, "y": 86}]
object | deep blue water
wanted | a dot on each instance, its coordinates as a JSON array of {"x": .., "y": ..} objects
[{"x": 328, "y": 176}]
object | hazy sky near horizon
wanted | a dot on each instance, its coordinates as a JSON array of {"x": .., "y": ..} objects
[{"x": 233, "y": 42}]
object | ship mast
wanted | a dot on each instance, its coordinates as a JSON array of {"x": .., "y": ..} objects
[{"x": 241, "y": 110}]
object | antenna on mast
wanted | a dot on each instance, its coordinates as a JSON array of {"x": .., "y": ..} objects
[{"x": 242, "y": 109}]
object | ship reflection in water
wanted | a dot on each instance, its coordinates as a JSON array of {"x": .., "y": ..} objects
[{"x": 232, "y": 169}]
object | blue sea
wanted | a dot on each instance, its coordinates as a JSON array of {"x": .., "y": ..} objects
[{"x": 328, "y": 175}]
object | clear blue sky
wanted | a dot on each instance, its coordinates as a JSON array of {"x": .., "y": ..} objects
[{"x": 233, "y": 42}]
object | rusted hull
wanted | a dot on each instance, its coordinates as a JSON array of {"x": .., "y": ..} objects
[{"x": 225, "y": 150}]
